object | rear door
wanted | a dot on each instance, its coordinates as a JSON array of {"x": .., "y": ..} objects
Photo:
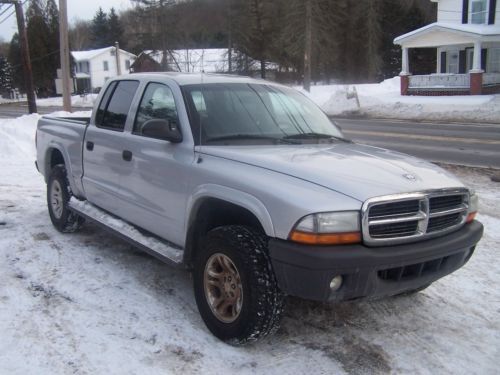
[
  {"x": 103, "y": 152},
  {"x": 155, "y": 182}
]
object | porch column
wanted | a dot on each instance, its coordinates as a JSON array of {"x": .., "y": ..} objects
[
  {"x": 476, "y": 74},
  {"x": 405, "y": 63},
  {"x": 405, "y": 72}
]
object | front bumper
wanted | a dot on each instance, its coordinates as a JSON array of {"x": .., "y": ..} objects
[{"x": 306, "y": 271}]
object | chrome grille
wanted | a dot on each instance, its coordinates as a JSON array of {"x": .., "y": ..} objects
[{"x": 410, "y": 217}]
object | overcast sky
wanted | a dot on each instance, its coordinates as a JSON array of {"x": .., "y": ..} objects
[{"x": 81, "y": 9}]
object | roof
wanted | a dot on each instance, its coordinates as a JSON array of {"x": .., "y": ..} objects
[
  {"x": 89, "y": 55},
  {"x": 443, "y": 33},
  {"x": 183, "y": 79},
  {"x": 209, "y": 60}
]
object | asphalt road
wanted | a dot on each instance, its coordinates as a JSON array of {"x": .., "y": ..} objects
[{"x": 476, "y": 145}]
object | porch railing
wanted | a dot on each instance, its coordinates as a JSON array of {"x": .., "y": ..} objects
[
  {"x": 491, "y": 78},
  {"x": 440, "y": 81}
]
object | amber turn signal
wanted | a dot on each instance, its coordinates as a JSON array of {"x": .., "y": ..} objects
[
  {"x": 325, "y": 239},
  {"x": 471, "y": 217}
]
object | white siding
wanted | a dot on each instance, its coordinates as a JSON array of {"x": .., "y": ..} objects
[
  {"x": 450, "y": 11},
  {"x": 98, "y": 75}
]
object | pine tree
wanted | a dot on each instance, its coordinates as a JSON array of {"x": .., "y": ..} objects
[
  {"x": 100, "y": 30},
  {"x": 6, "y": 83},
  {"x": 115, "y": 30},
  {"x": 40, "y": 49},
  {"x": 16, "y": 63}
]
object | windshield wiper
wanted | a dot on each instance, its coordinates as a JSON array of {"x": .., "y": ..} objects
[
  {"x": 316, "y": 136},
  {"x": 250, "y": 136}
]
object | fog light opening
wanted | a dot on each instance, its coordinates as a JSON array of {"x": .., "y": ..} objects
[{"x": 336, "y": 283}]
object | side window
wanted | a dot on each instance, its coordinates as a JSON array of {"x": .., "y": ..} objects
[
  {"x": 116, "y": 112},
  {"x": 104, "y": 103},
  {"x": 157, "y": 103}
]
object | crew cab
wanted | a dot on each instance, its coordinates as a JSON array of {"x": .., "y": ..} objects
[{"x": 249, "y": 185}]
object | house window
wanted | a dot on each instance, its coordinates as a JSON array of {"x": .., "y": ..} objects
[
  {"x": 127, "y": 64},
  {"x": 494, "y": 63},
  {"x": 105, "y": 66},
  {"x": 453, "y": 60},
  {"x": 479, "y": 11}
]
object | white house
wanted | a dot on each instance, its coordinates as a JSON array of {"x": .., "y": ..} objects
[
  {"x": 466, "y": 37},
  {"x": 94, "y": 67}
]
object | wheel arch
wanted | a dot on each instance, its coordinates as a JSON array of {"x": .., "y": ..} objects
[{"x": 213, "y": 206}]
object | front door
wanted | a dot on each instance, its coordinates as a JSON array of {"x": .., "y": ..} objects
[{"x": 155, "y": 183}]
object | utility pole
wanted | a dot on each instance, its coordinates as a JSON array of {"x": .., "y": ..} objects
[
  {"x": 229, "y": 36},
  {"x": 64, "y": 50},
  {"x": 25, "y": 55},
  {"x": 117, "y": 56},
  {"x": 308, "y": 47}
]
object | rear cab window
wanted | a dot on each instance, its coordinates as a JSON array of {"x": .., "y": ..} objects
[{"x": 115, "y": 105}]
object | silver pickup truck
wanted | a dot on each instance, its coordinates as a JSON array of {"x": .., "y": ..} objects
[{"x": 248, "y": 185}]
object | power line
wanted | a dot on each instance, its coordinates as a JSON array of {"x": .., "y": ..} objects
[
  {"x": 6, "y": 9},
  {"x": 10, "y": 15}
]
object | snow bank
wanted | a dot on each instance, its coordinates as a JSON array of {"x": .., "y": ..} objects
[
  {"x": 17, "y": 136},
  {"x": 85, "y": 101},
  {"x": 383, "y": 100}
]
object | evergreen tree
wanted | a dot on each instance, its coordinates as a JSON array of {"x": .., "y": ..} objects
[
  {"x": 16, "y": 63},
  {"x": 115, "y": 30},
  {"x": 6, "y": 83},
  {"x": 39, "y": 35},
  {"x": 100, "y": 30}
]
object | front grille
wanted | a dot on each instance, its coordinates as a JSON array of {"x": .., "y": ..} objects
[
  {"x": 393, "y": 209},
  {"x": 409, "y": 217},
  {"x": 406, "y": 228},
  {"x": 443, "y": 222},
  {"x": 445, "y": 202}
]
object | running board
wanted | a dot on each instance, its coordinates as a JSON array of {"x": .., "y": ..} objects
[{"x": 151, "y": 244}]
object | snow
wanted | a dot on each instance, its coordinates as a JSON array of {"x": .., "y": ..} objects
[
  {"x": 84, "y": 101},
  {"x": 383, "y": 100},
  {"x": 89, "y": 55},
  {"x": 90, "y": 303}
]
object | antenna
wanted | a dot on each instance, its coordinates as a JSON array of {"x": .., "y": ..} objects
[{"x": 202, "y": 99}]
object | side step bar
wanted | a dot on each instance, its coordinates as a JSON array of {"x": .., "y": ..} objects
[{"x": 151, "y": 244}]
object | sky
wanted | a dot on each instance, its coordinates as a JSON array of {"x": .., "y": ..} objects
[{"x": 77, "y": 9}]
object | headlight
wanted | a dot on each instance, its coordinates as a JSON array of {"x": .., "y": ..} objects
[
  {"x": 330, "y": 228},
  {"x": 473, "y": 206}
]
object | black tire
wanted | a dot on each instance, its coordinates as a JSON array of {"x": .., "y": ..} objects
[
  {"x": 262, "y": 302},
  {"x": 62, "y": 218}
]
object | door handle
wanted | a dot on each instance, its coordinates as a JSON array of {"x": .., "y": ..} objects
[
  {"x": 90, "y": 146},
  {"x": 127, "y": 155}
]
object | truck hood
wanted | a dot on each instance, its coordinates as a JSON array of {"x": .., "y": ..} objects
[{"x": 355, "y": 170}]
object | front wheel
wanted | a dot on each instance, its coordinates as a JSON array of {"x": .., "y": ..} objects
[
  {"x": 58, "y": 196},
  {"x": 235, "y": 287}
]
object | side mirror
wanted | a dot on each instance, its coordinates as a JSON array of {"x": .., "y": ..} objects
[{"x": 167, "y": 130}]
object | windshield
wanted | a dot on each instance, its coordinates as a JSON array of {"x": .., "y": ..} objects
[{"x": 238, "y": 113}]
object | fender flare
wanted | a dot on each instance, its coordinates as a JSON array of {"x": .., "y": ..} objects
[{"x": 230, "y": 195}]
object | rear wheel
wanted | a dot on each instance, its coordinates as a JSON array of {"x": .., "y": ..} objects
[
  {"x": 235, "y": 287},
  {"x": 58, "y": 196}
]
